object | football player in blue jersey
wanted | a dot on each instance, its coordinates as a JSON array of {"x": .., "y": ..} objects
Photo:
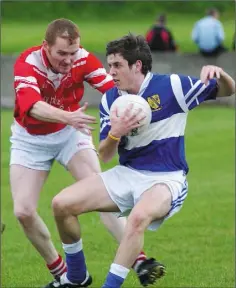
[{"x": 150, "y": 182}]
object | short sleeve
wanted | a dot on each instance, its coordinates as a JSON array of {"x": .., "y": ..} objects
[
  {"x": 190, "y": 91},
  {"x": 105, "y": 124}
]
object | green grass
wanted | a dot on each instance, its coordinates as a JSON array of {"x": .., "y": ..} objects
[
  {"x": 197, "y": 244},
  {"x": 95, "y": 34}
]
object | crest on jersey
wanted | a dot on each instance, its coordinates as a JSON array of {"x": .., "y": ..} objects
[
  {"x": 134, "y": 132},
  {"x": 154, "y": 102}
]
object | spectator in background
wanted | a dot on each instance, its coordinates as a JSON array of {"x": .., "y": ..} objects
[
  {"x": 208, "y": 34},
  {"x": 159, "y": 38}
]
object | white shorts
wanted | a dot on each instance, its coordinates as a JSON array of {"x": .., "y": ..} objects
[
  {"x": 39, "y": 151},
  {"x": 126, "y": 185}
]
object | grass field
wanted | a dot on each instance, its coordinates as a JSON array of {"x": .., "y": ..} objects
[
  {"x": 95, "y": 34},
  {"x": 197, "y": 244}
]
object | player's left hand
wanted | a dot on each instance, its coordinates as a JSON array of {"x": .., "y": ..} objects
[
  {"x": 209, "y": 72},
  {"x": 123, "y": 124}
]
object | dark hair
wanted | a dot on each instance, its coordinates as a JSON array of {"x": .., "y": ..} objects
[
  {"x": 63, "y": 28},
  {"x": 211, "y": 11},
  {"x": 132, "y": 48},
  {"x": 161, "y": 18}
]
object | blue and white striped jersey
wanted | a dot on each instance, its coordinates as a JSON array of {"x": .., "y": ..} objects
[{"x": 161, "y": 147}]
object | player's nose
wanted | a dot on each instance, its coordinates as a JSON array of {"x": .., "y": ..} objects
[
  {"x": 68, "y": 60},
  {"x": 112, "y": 71}
]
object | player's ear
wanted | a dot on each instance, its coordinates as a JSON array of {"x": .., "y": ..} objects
[
  {"x": 138, "y": 65},
  {"x": 45, "y": 45}
]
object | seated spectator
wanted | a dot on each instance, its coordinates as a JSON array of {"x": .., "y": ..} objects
[
  {"x": 159, "y": 38},
  {"x": 208, "y": 34}
]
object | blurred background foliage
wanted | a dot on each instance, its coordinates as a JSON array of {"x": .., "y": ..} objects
[{"x": 47, "y": 10}]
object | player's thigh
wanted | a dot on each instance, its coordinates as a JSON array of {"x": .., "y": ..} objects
[
  {"x": 89, "y": 194},
  {"x": 154, "y": 204},
  {"x": 159, "y": 196},
  {"x": 32, "y": 151},
  {"x": 84, "y": 164},
  {"x": 26, "y": 185},
  {"x": 78, "y": 155}
]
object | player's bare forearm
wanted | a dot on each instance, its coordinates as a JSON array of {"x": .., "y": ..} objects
[
  {"x": 107, "y": 149},
  {"x": 46, "y": 112},
  {"x": 226, "y": 85}
]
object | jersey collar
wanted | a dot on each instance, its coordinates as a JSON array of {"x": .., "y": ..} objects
[
  {"x": 144, "y": 85},
  {"x": 45, "y": 60}
]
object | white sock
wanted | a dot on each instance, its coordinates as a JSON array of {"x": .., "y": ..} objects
[
  {"x": 65, "y": 280},
  {"x": 119, "y": 270},
  {"x": 73, "y": 248}
]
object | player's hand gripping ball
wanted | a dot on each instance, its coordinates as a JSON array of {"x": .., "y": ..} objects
[{"x": 121, "y": 104}]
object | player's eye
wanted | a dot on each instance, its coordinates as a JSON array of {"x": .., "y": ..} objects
[
  {"x": 62, "y": 53},
  {"x": 117, "y": 65}
]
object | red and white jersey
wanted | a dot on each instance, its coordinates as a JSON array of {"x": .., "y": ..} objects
[{"x": 34, "y": 81}]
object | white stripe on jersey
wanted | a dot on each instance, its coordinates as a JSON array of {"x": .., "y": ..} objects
[
  {"x": 82, "y": 53},
  {"x": 190, "y": 81},
  {"x": 29, "y": 79},
  {"x": 173, "y": 126},
  {"x": 105, "y": 119},
  {"x": 104, "y": 103},
  {"x": 23, "y": 85},
  {"x": 34, "y": 59},
  {"x": 104, "y": 122},
  {"x": 107, "y": 79},
  {"x": 197, "y": 94},
  {"x": 39, "y": 72},
  {"x": 191, "y": 95},
  {"x": 98, "y": 72},
  {"x": 192, "y": 89},
  {"x": 178, "y": 91},
  {"x": 79, "y": 64}
]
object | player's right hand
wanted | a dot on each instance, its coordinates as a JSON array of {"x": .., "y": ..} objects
[
  {"x": 128, "y": 120},
  {"x": 80, "y": 120}
]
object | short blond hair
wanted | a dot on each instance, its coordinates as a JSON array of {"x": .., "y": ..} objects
[{"x": 62, "y": 28}]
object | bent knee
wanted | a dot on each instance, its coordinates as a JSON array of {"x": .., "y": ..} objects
[
  {"x": 62, "y": 204},
  {"x": 24, "y": 214},
  {"x": 138, "y": 221},
  {"x": 58, "y": 205}
]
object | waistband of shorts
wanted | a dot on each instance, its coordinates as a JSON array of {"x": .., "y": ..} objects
[
  {"x": 21, "y": 129},
  {"x": 178, "y": 173}
]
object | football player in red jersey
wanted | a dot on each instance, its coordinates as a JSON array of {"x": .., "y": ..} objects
[{"x": 50, "y": 125}]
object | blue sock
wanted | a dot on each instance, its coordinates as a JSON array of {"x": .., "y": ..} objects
[
  {"x": 113, "y": 281},
  {"x": 75, "y": 260},
  {"x": 116, "y": 276}
]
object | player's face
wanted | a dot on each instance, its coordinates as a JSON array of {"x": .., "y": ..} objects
[
  {"x": 123, "y": 75},
  {"x": 62, "y": 54}
]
